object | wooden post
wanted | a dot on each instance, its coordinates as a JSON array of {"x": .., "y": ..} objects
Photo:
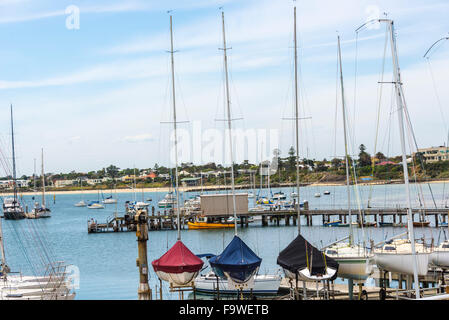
[
  {"x": 141, "y": 219},
  {"x": 264, "y": 221},
  {"x": 436, "y": 220},
  {"x": 294, "y": 220},
  {"x": 287, "y": 220}
]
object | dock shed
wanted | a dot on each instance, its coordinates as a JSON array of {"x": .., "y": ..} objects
[{"x": 221, "y": 204}]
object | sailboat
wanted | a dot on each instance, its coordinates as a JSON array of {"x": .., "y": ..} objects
[
  {"x": 178, "y": 266},
  {"x": 300, "y": 260},
  {"x": 238, "y": 263},
  {"x": 109, "y": 200},
  {"x": 12, "y": 209},
  {"x": 168, "y": 201},
  {"x": 40, "y": 211},
  {"x": 81, "y": 203},
  {"x": 355, "y": 263},
  {"x": 402, "y": 255},
  {"x": 95, "y": 204}
]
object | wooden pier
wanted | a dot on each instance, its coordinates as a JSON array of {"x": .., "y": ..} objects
[{"x": 371, "y": 217}]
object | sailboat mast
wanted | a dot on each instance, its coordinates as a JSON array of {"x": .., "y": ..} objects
[
  {"x": 228, "y": 104},
  {"x": 43, "y": 180},
  {"x": 174, "y": 126},
  {"x": 134, "y": 184},
  {"x": 351, "y": 236},
  {"x": 34, "y": 179},
  {"x": 296, "y": 122},
  {"x": 400, "y": 105},
  {"x": 13, "y": 160}
]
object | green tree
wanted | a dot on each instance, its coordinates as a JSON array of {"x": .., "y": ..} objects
[
  {"x": 112, "y": 171},
  {"x": 291, "y": 159},
  {"x": 380, "y": 156},
  {"x": 336, "y": 163},
  {"x": 364, "y": 157}
]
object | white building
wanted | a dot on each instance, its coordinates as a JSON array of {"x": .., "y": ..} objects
[
  {"x": 65, "y": 183},
  {"x": 434, "y": 154}
]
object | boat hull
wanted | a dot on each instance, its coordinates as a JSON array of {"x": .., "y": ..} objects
[
  {"x": 354, "y": 268},
  {"x": 440, "y": 259},
  {"x": 207, "y": 225},
  {"x": 263, "y": 285},
  {"x": 402, "y": 262},
  {"x": 304, "y": 275}
]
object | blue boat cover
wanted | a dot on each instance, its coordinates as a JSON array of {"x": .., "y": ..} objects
[{"x": 237, "y": 260}]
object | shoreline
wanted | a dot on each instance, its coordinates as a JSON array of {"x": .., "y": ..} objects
[{"x": 211, "y": 188}]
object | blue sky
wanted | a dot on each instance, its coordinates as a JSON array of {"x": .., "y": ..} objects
[{"x": 97, "y": 95}]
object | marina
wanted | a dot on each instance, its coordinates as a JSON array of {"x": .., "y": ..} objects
[{"x": 303, "y": 164}]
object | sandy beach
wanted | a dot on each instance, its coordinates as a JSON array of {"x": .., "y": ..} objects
[{"x": 217, "y": 187}]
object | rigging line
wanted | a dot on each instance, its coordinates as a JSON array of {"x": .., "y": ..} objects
[
  {"x": 437, "y": 95},
  {"x": 413, "y": 137},
  {"x": 23, "y": 249},
  {"x": 355, "y": 76},
  {"x": 380, "y": 87}
]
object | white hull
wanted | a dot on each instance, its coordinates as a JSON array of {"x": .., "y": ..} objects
[
  {"x": 109, "y": 201},
  {"x": 179, "y": 279},
  {"x": 97, "y": 206},
  {"x": 402, "y": 262},
  {"x": 440, "y": 258},
  {"x": 304, "y": 275},
  {"x": 80, "y": 204},
  {"x": 38, "y": 214},
  {"x": 263, "y": 284},
  {"x": 354, "y": 268}
]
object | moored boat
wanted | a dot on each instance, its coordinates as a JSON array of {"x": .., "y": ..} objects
[
  {"x": 440, "y": 255},
  {"x": 334, "y": 223},
  {"x": 397, "y": 256},
  {"x": 205, "y": 223},
  {"x": 95, "y": 205},
  {"x": 80, "y": 204},
  {"x": 353, "y": 261},
  {"x": 263, "y": 285}
]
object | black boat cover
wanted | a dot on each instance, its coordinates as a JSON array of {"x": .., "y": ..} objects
[{"x": 300, "y": 254}]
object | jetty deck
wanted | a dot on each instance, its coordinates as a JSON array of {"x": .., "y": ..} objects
[{"x": 372, "y": 216}]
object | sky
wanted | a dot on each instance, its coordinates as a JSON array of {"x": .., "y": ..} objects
[{"x": 89, "y": 81}]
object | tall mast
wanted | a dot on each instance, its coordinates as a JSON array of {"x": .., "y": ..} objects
[
  {"x": 13, "y": 160},
  {"x": 174, "y": 126},
  {"x": 228, "y": 104},
  {"x": 43, "y": 180},
  {"x": 134, "y": 184},
  {"x": 34, "y": 179},
  {"x": 400, "y": 105},
  {"x": 346, "y": 144},
  {"x": 297, "y": 123}
]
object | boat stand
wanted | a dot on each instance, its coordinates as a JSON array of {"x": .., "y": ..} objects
[{"x": 351, "y": 289}]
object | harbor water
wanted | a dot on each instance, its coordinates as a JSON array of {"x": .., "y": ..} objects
[{"x": 107, "y": 261}]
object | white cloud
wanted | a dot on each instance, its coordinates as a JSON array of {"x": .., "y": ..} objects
[{"x": 144, "y": 137}]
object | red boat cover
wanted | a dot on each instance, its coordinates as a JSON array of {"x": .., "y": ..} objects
[{"x": 178, "y": 259}]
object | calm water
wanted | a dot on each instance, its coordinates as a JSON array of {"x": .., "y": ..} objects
[{"x": 107, "y": 262}]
